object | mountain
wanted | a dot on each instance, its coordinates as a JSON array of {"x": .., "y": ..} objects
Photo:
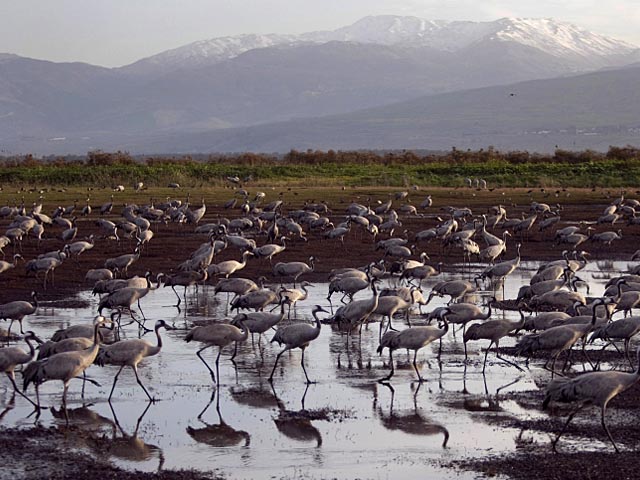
[
  {"x": 588, "y": 111},
  {"x": 232, "y": 82},
  {"x": 562, "y": 40}
]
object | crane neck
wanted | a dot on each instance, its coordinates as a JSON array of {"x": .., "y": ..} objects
[
  {"x": 445, "y": 327},
  {"x": 594, "y": 316},
  {"x": 158, "y": 337},
  {"x": 489, "y": 311},
  {"x": 314, "y": 312},
  {"x": 245, "y": 330},
  {"x": 35, "y": 300},
  {"x": 32, "y": 350}
]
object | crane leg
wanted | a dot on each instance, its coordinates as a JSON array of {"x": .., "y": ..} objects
[
  {"x": 606, "y": 429},
  {"x": 555, "y": 442},
  {"x": 218, "y": 363},
  {"x": 304, "y": 369},
  {"x": 135, "y": 370},
  {"x": 177, "y": 296},
  {"x": 115, "y": 380},
  {"x": 626, "y": 351},
  {"x": 15, "y": 388},
  {"x": 486, "y": 354},
  {"x": 388, "y": 377},
  {"x": 276, "y": 364},
  {"x": 140, "y": 308},
  {"x": 513, "y": 364},
  {"x": 415, "y": 366},
  {"x": 199, "y": 354}
]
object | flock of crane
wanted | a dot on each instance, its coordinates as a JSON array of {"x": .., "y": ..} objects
[{"x": 564, "y": 319}]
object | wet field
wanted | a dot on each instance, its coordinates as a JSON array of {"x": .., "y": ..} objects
[
  {"x": 346, "y": 425},
  {"x": 458, "y": 424}
]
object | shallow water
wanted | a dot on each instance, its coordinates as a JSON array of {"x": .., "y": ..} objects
[{"x": 367, "y": 430}]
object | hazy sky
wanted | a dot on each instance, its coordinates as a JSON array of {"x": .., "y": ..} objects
[{"x": 118, "y": 32}]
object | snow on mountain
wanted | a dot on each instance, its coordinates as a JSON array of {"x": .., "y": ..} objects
[
  {"x": 557, "y": 38},
  {"x": 206, "y": 52},
  {"x": 560, "y": 39}
]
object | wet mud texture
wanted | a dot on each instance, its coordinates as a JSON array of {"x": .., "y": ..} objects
[{"x": 37, "y": 453}]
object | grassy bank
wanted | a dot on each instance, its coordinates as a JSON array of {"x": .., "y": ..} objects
[{"x": 578, "y": 170}]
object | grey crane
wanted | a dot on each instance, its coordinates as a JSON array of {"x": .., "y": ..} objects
[
  {"x": 106, "y": 207},
  {"x": 456, "y": 289},
  {"x": 184, "y": 279},
  {"x": 354, "y": 314},
  {"x": 501, "y": 270},
  {"x": 298, "y": 335},
  {"x": 194, "y": 216},
  {"x": 293, "y": 269},
  {"x": 389, "y": 305},
  {"x": 17, "y": 310},
  {"x": 228, "y": 267},
  {"x": 217, "y": 335},
  {"x": 413, "y": 338},
  {"x": 257, "y": 299},
  {"x": 121, "y": 263},
  {"x": 238, "y": 286},
  {"x": 62, "y": 366},
  {"x": 10, "y": 357},
  {"x": 557, "y": 299},
  {"x": 463, "y": 313},
  {"x": 606, "y": 237},
  {"x": 129, "y": 353},
  {"x": 292, "y": 296},
  {"x": 420, "y": 273},
  {"x": 75, "y": 249},
  {"x": 6, "y": 266},
  {"x": 85, "y": 330},
  {"x": 623, "y": 329},
  {"x": 46, "y": 265},
  {"x": 349, "y": 285},
  {"x": 557, "y": 339},
  {"x": 259, "y": 322},
  {"x": 593, "y": 388},
  {"x": 270, "y": 249},
  {"x": 96, "y": 274},
  {"x": 492, "y": 330},
  {"x": 125, "y": 298}
]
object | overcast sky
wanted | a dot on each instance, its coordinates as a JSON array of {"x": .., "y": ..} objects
[{"x": 118, "y": 32}]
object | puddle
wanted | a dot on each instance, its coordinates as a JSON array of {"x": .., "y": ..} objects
[{"x": 345, "y": 426}]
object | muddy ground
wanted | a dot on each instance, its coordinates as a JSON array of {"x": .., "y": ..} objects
[{"x": 39, "y": 452}]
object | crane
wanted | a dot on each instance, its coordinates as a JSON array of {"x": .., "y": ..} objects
[{"x": 298, "y": 335}]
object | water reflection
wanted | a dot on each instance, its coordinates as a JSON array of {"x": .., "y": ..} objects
[
  {"x": 296, "y": 424},
  {"x": 219, "y": 434},
  {"x": 412, "y": 422},
  {"x": 105, "y": 437}
]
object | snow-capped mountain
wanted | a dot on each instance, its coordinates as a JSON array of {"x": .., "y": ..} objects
[
  {"x": 248, "y": 80},
  {"x": 560, "y": 39}
]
